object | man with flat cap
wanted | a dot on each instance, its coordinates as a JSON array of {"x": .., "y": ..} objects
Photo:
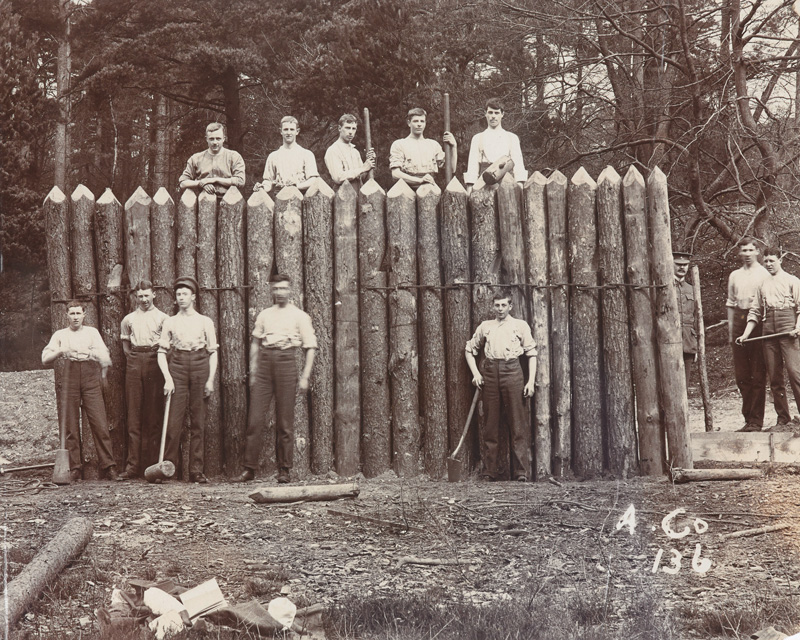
[
  {"x": 686, "y": 307},
  {"x": 191, "y": 341}
]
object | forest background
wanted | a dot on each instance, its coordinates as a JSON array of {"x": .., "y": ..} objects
[{"x": 117, "y": 93}]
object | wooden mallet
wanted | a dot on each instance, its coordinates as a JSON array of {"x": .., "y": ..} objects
[
  {"x": 368, "y": 136},
  {"x": 163, "y": 469}
]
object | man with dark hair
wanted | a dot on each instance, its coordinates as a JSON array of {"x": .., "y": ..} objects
[
  {"x": 504, "y": 340},
  {"x": 216, "y": 169},
  {"x": 492, "y": 144},
  {"x": 415, "y": 158},
  {"x": 748, "y": 359},
  {"x": 776, "y": 307},
  {"x": 343, "y": 159},
  {"x": 87, "y": 361},
  {"x": 279, "y": 331},
  {"x": 189, "y": 374},
  {"x": 140, "y": 332},
  {"x": 290, "y": 164},
  {"x": 686, "y": 307}
]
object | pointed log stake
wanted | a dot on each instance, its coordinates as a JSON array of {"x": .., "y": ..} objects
[
  {"x": 305, "y": 493},
  {"x": 705, "y": 391},
  {"x": 137, "y": 236},
  {"x": 512, "y": 247},
  {"x": 185, "y": 239},
  {"x": 162, "y": 243},
  {"x": 43, "y": 570}
]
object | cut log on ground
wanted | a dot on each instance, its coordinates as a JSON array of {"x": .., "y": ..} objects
[
  {"x": 308, "y": 493},
  {"x": 754, "y": 532},
  {"x": 681, "y": 476},
  {"x": 433, "y": 562},
  {"x": 43, "y": 570}
]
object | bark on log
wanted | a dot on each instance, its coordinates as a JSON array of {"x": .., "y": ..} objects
[
  {"x": 403, "y": 350},
  {"x": 347, "y": 426},
  {"x": 186, "y": 241},
  {"x": 376, "y": 432},
  {"x": 672, "y": 377},
  {"x": 319, "y": 251},
  {"x": 260, "y": 259},
  {"x": 162, "y": 245},
  {"x": 705, "y": 391},
  {"x": 512, "y": 247},
  {"x": 43, "y": 570},
  {"x": 432, "y": 373},
  {"x": 537, "y": 275},
  {"x": 113, "y": 307},
  {"x": 651, "y": 441},
  {"x": 619, "y": 398},
  {"x": 289, "y": 259},
  {"x": 307, "y": 493},
  {"x": 137, "y": 237},
  {"x": 228, "y": 443},
  {"x": 455, "y": 265},
  {"x": 208, "y": 305},
  {"x": 556, "y": 192},
  {"x": 681, "y": 476}
]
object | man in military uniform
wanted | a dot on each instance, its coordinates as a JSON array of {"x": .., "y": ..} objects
[{"x": 686, "y": 306}]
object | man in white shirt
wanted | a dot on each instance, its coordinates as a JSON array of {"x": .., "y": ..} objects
[
  {"x": 415, "y": 158},
  {"x": 290, "y": 164},
  {"x": 492, "y": 144},
  {"x": 777, "y": 308},
  {"x": 343, "y": 160},
  {"x": 216, "y": 169}
]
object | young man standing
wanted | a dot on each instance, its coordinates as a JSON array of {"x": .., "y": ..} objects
[
  {"x": 416, "y": 159},
  {"x": 140, "y": 332},
  {"x": 290, "y": 164},
  {"x": 279, "y": 331},
  {"x": 216, "y": 169},
  {"x": 686, "y": 306},
  {"x": 87, "y": 361},
  {"x": 777, "y": 308},
  {"x": 748, "y": 359},
  {"x": 504, "y": 340},
  {"x": 189, "y": 374},
  {"x": 492, "y": 144},
  {"x": 343, "y": 159}
]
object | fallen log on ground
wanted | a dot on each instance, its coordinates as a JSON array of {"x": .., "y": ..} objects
[
  {"x": 433, "y": 562},
  {"x": 383, "y": 523},
  {"x": 680, "y": 476},
  {"x": 754, "y": 532},
  {"x": 20, "y": 593},
  {"x": 309, "y": 493}
]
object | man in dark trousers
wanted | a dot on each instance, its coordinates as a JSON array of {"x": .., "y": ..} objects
[
  {"x": 279, "y": 331},
  {"x": 504, "y": 340},
  {"x": 686, "y": 306},
  {"x": 87, "y": 361},
  {"x": 140, "y": 332},
  {"x": 190, "y": 339}
]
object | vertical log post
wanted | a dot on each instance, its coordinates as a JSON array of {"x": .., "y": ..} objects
[
  {"x": 185, "y": 242},
  {"x": 162, "y": 244},
  {"x": 620, "y": 425},
  {"x": 539, "y": 298},
  {"x": 512, "y": 247},
  {"x": 674, "y": 402},
  {"x": 289, "y": 260},
  {"x": 347, "y": 426},
  {"x": 227, "y": 444},
  {"x": 457, "y": 325},
  {"x": 403, "y": 351},
  {"x": 113, "y": 307},
  {"x": 556, "y": 192},
  {"x": 319, "y": 261},
  {"x": 376, "y": 438},
  {"x": 137, "y": 237},
  {"x": 208, "y": 305},
  {"x": 701, "y": 349},
  {"x": 645, "y": 375},
  {"x": 432, "y": 370},
  {"x": 260, "y": 259}
]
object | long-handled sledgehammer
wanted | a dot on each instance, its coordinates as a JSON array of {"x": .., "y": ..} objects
[
  {"x": 61, "y": 465},
  {"x": 163, "y": 469},
  {"x": 453, "y": 463}
]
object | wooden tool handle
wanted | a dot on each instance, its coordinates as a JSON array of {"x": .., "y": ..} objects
[
  {"x": 466, "y": 425},
  {"x": 368, "y": 136},
  {"x": 448, "y": 160},
  {"x": 783, "y": 334},
  {"x": 164, "y": 430}
]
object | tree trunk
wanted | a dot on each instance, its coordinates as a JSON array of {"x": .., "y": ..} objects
[
  {"x": 512, "y": 248},
  {"x": 374, "y": 334},
  {"x": 433, "y": 372},
  {"x": 651, "y": 442},
  {"x": 289, "y": 259},
  {"x": 161, "y": 160},
  {"x": 319, "y": 261},
  {"x": 113, "y": 307},
  {"x": 455, "y": 265},
  {"x": 537, "y": 275},
  {"x": 185, "y": 241},
  {"x": 63, "y": 81},
  {"x": 620, "y": 425},
  {"x": 162, "y": 242},
  {"x": 137, "y": 237},
  {"x": 233, "y": 116},
  {"x": 403, "y": 351},
  {"x": 672, "y": 378},
  {"x": 228, "y": 443},
  {"x": 556, "y": 192}
]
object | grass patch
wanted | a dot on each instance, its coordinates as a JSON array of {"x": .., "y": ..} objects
[{"x": 741, "y": 617}]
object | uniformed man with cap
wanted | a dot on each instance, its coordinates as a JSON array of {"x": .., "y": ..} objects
[
  {"x": 686, "y": 307},
  {"x": 190, "y": 340}
]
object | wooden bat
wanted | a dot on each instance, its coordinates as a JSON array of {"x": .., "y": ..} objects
[
  {"x": 768, "y": 336},
  {"x": 448, "y": 160},
  {"x": 368, "y": 136}
]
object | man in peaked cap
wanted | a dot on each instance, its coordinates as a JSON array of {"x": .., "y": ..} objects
[
  {"x": 686, "y": 306},
  {"x": 190, "y": 338}
]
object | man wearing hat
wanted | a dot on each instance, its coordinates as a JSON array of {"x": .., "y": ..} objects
[
  {"x": 191, "y": 341},
  {"x": 687, "y": 307}
]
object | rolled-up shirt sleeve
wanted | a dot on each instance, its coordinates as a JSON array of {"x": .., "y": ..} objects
[
  {"x": 211, "y": 335},
  {"x": 527, "y": 341},
  {"x": 237, "y": 169},
  {"x": 307, "y": 334},
  {"x": 475, "y": 344}
]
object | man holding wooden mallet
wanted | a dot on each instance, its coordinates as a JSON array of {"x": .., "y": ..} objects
[
  {"x": 504, "y": 340},
  {"x": 343, "y": 159},
  {"x": 415, "y": 158},
  {"x": 776, "y": 307}
]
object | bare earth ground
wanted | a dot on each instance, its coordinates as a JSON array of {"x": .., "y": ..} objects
[{"x": 522, "y": 545}]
